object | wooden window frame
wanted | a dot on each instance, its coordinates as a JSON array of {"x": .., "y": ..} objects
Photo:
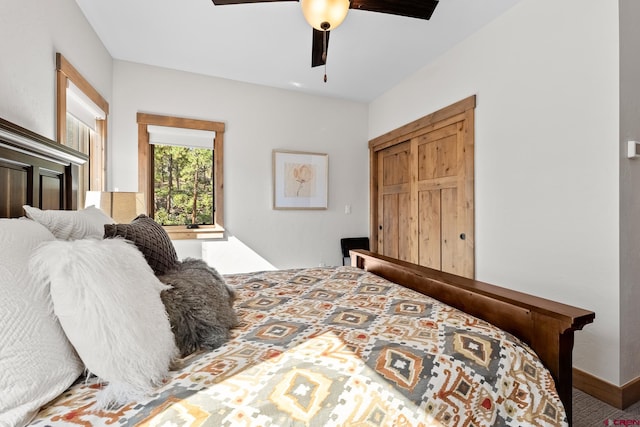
[
  {"x": 145, "y": 170},
  {"x": 66, "y": 72}
]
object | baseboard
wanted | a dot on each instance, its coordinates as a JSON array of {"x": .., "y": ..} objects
[{"x": 620, "y": 397}]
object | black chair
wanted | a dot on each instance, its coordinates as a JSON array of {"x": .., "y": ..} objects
[{"x": 349, "y": 243}]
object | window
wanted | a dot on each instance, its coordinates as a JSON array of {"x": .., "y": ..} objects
[
  {"x": 79, "y": 137},
  {"x": 182, "y": 175},
  {"x": 180, "y": 172},
  {"x": 82, "y": 124}
]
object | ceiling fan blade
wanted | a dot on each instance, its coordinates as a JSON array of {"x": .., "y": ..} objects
[
  {"x": 318, "y": 48},
  {"x": 421, "y": 9},
  {"x": 223, "y": 2}
]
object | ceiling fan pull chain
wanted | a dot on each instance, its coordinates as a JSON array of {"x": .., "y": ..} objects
[{"x": 325, "y": 71}]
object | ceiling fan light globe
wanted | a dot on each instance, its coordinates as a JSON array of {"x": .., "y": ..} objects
[{"x": 319, "y": 13}]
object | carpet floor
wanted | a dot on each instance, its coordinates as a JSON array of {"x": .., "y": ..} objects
[{"x": 591, "y": 412}]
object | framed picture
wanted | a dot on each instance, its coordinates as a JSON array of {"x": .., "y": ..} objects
[{"x": 300, "y": 180}]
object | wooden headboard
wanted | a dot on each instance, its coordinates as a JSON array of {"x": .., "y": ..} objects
[{"x": 36, "y": 171}]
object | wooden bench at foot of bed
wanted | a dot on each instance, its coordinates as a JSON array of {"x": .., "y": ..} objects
[{"x": 546, "y": 326}]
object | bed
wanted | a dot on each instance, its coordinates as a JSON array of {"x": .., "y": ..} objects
[{"x": 380, "y": 342}]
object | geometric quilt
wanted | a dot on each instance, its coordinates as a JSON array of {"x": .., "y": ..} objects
[{"x": 339, "y": 347}]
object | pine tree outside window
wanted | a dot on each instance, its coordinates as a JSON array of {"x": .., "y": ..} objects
[
  {"x": 180, "y": 172},
  {"x": 183, "y": 185}
]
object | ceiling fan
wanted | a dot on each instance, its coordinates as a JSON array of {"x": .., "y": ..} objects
[{"x": 326, "y": 15}]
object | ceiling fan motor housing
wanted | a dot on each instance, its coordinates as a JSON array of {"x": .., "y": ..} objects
[{"x": 324, "y": 14}]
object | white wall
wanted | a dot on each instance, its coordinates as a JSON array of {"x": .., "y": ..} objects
[
  {"x": 31, "y": 32},
  {"x": 629, "y": 194},
  {"x": 258, "y": 119},
  {"x": 546, "y": 78}
]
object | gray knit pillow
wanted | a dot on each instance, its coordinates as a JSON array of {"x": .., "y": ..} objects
[{"x": 152, "y": 240}]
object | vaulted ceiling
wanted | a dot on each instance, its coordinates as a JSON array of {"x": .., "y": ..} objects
[{"x": 270, "y": 43}]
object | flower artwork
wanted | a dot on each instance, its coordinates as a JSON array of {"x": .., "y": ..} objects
[{"x": 299, "y": 180}]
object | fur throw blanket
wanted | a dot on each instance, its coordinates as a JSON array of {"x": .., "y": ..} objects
[{"x": 199, "y": 305}]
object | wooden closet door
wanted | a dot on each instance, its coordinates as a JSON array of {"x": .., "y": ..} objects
[
  {"x": 441, "y": 201},
  {"x": 394, "y": 202},
  {"x": 422, "y": 191}
]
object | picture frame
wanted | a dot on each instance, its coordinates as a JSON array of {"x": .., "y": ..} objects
[{"x": 300, "y": 180}]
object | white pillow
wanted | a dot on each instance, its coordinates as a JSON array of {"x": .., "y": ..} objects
[
  {"x": 37, "y": 362},
  {"x": 72, "y": 225},
  {"x": 108, "y": 302}
]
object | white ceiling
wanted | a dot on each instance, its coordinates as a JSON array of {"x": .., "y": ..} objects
[{"x": 270, "y": 43}]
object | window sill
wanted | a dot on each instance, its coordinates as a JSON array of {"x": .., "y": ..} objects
[{"x": 181, "y": 232}]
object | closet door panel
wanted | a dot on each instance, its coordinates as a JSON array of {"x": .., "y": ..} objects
[
  {"x": 451, "y": 253},
  {"x": 441, "y": 171},
  {"x": 429, "y": 220},
  {"x": 394, "y": 236},
  {"x": 394, "y": 239},
  {"x": 404, "y": 228},
  {"x": 390, "y": 240},
  {"x": 437, "y": 154}
]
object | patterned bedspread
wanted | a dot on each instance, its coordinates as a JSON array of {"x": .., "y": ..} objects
[{"x": 339, "y": 347}]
